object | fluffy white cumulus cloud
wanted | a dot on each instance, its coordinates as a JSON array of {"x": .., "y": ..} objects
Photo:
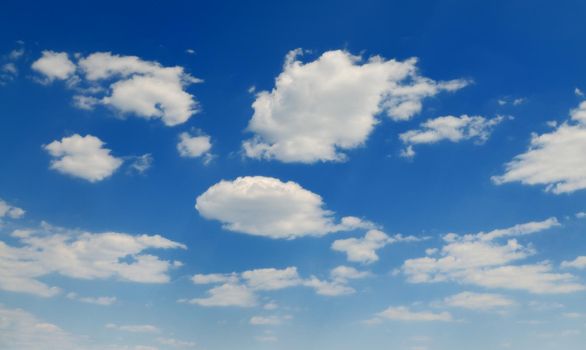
[
  {"x": 54, "y": 65},
  {"x": 7, "y": 210},
  {"x": 127, "y": 84},
  {"x": 193, "y": 146},
  {"x": 268, "y": 207},
  {"x": 450, "y": 128},
  {"x": 402, "y": 313},
  {"x": 242, "y": 289},
  {"x": 363, "y": 250},
  {"x": 82, "y": 156},
  {"x": 81, "y": 255},
  {"x": 481, "y": 259},
  {"x": 554, "y": 159},
  {"x": 321, "y": 108},
  {"x": 478, "y": 301}
]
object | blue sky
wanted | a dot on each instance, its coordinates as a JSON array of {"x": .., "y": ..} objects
[{"x": 267, "y": 175}]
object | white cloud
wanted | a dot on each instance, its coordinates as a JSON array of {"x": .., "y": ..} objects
[
  {"x": 265, "y": 206},
  {"x": 344, "y": 273},
  {"x": 578, "y": 263},
  {"x": 193, "y": 146},
  {"x": 128, "y": 84},
  {"x": 142, "y": 163},
  {"x": 450, "y": 128},
  {"x": 20, "y": 330},
  {"x": 103, "y": 301},
  {"x": 241, "y": 289},
  {"x": 176, "y": 343},
  {"x": 7, "y": 210},
  {"x": 268, "y": 320},
  {"x": 134, "y": 328},
  {"x": 319, "y": 109},
  {"x": 228, "y": 294},
  {"x": 82, "y": 255},
  {"x": 478, "y": 301},
  {"x": 554, "y": 159},
  {"x": 402, "y": 313},
  {"x": 363, "y": 250},
  {"x": 54, "y": 65},
  {"x": 481, "y": 260},
  {"x": 82, "y": 156},
  {"x": 271, "y": 278},
  {"x": 213, "y": 278}
]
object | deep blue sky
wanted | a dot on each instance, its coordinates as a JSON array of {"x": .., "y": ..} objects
[{"x": 532, "y": 50}]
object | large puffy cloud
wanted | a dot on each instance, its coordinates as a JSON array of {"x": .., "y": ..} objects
[
  {"x": 81, "y": 255},
  {"x": 241, "y": 290},
  {"x": 319, "y": 109},
  {"x": 82, "y": 156},
  {"x": 54, "y": 65},
  {"x": 554, "y": 159},
  {"x": 128, "y": 84},
  {"x": 450, "y": 128},
  {"x": 268, "y": 207},
  {"x": 364, "y": 249},
  {"x": 480, "y": 259}
]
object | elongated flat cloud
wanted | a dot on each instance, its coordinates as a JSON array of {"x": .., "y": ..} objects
[
  {"x": 127, "y": 84},
  {"x": 363, "y": 250},
  {"x": 82, "y": 156},
  {"x": 449, "y": 128},
  {"x": 241, "y": 290},
  {"x": 82, "y": 255},
  {"x": 478, "y": 301},
  {"x": 554, "y": 159},
  {"x": 481, "y": 259},
  {"x": 265, "y": 206},
  {"x": 318, "y": 110},
  {"x": 402, "y": 313}
]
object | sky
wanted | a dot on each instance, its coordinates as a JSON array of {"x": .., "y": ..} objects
[{"x": 293, "y": 175}]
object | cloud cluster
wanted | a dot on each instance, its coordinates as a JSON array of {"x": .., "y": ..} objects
[
  {"x": 127, "y": 84},
  {"x": 318, "y": 110},
  {"x": 450, "y": 128},
  {"x": 82, "y": 255},
  {"x": 268, "y": 207},
  {"x": 241, "y": 289},
  {"x": 483, "y": 260},
  {"x": 82, "y": 156},
  {"x": 554, "y": 159},
  {"x": 363, "y": 250},
  {"x": 9, "y": 64}
]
